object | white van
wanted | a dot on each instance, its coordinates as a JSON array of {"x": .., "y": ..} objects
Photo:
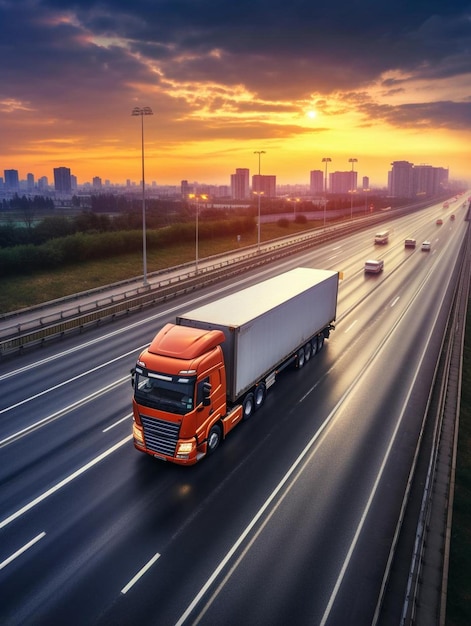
[
  {"x": 382, "y": 237},
  {"x": 374, "y": 266}
]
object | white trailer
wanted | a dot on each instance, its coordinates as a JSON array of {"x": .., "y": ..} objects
[{"x": 270, "y": 324}]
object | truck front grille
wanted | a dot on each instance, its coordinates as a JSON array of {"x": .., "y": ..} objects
[{"x": 160, "y": 436}]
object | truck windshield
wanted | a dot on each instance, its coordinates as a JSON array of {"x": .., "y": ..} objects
[{"x": 174, "y": 394}]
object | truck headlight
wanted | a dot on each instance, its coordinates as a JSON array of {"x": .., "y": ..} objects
[
  {"x": 185, "y": 448},
  {"x": 137, "y": 434}
]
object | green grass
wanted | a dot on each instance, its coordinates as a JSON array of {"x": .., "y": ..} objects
[{"x": 18, "y": 292}]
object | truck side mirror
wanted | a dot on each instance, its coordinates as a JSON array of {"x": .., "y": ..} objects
[{"x": 133, "y": 376}]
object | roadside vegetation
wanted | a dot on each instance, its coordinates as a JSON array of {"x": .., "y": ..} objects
[{"x": 107, "y": 258}]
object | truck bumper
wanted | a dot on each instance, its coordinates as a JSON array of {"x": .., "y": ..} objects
[{"x": 185, "y": 452}]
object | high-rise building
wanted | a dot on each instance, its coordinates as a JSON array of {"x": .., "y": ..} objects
[
  {"x": 266, "y": 185},
  {"x": 12, "y": 181},
  {"x": 316, "y": 185},
  {"x": 428, "y": 180},
  {"x": 407, "y": 180},
  {"x": 96, "y": 182},
  {"x": 185, "y": 189},
  {"x": 62, "y": 180},
  {"x": 365, "y": 183},
  {"x": 400, "y": 180},
  {"x": 30, "y": 182},
  {"x": 343, "y": 182},
  {"x": 240, "y": 189},
  {"x": 43, "y": 183}
]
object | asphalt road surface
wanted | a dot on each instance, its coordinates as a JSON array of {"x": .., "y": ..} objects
[{"x": 290, "y": 521}]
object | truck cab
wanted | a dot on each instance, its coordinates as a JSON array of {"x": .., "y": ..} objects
[{"x": 180, "y": 394}]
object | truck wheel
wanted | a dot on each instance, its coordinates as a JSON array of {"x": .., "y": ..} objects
[
  {"x": 307, "y": 351},
  {"x": 248, "y": 406},
  {"x": 320, "y": 342},
  {"x": 300, "y": 358},
  {"x": 313, "y": 346},
  {"x": 260, "y": 395},
  {"x": 214, "y": 438}
]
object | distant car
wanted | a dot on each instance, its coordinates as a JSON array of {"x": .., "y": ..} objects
[
  {"x": 373, "y": 266},
  {"x": 452, "y": 217},
  {"x": 439, "y": 222},
  {"x": 427, "y": 246},
  {"x": 382, "y": 237},
  {"x": 410, "y": 243}
]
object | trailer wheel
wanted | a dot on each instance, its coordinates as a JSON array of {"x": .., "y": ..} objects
[
  {"x": 308, "y": 351},
  {"x": 248, "y": 406},
  {"x": 214, "y": 438},
  {"x": 300, "y": 358},
  {"x": 313, "y": 343},
  {"x": 260, "y": 395},
  {"x": 320, "y": 342}
]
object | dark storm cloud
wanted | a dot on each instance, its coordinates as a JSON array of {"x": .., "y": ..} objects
[
  {"x": 450, "y": 115},
  {"x": 48, "y": 60},
  {"x": 278, "y": 50}
]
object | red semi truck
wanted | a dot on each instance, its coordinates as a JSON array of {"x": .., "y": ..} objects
[{"x": 211, "y": 370}]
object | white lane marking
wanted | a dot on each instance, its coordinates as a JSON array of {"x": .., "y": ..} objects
[
  {"x": 64, "y": 482},
  {"x": 60, "y": 355},
  {"x": 65, "y": 382},
  {"x": 27, "y": 546},
  {"x": 350, "y": 327},
  {"x": 140, "y": 573},
  {"x": 120, "y": 331},
  {"x": 308, "y": 448},
  {"x": 395, "y": 301},
  {"x": 381, "y": 470},
  {"x": 210, "y": 581},
  {"x": 366, "y": 510},
  {"x": 123, "y": 419},
  {"x": 57, "y": 414}
]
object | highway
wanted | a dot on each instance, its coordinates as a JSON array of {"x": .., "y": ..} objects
[{"x": 290, "y": 521}]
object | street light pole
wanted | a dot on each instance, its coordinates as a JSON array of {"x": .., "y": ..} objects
[
  {"x": 366, "y": 199},
  {"x": 259, "y": 152},
  {"x": 197, "y": 198},
  {"x": 143, "y": 111},
  {"x": 325, "y": 160},
  {"x": 294, "y": 200},
  {"x": 352, "y": 161},
  {"x": 197, "y": 235}
]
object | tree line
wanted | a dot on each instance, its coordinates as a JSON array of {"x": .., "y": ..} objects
[{"x": 91, "y": 239}]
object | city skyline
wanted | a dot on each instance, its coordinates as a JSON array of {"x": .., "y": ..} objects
[
  {"x": 298, "y": 83},
  {"x": 405, "y": 180}
]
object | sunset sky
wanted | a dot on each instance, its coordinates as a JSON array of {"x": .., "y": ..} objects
[{"x": 301, "y": 80}]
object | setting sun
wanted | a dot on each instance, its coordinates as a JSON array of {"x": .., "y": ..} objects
[{"x": 222, "y": 87}]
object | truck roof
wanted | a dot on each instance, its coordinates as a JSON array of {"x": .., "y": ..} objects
[
  {"x": 239, "y": 308},
  {"x": 185, "y": 343}
]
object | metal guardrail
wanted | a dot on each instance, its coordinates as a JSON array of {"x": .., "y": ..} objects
[{"x": 79, "y": 317}]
